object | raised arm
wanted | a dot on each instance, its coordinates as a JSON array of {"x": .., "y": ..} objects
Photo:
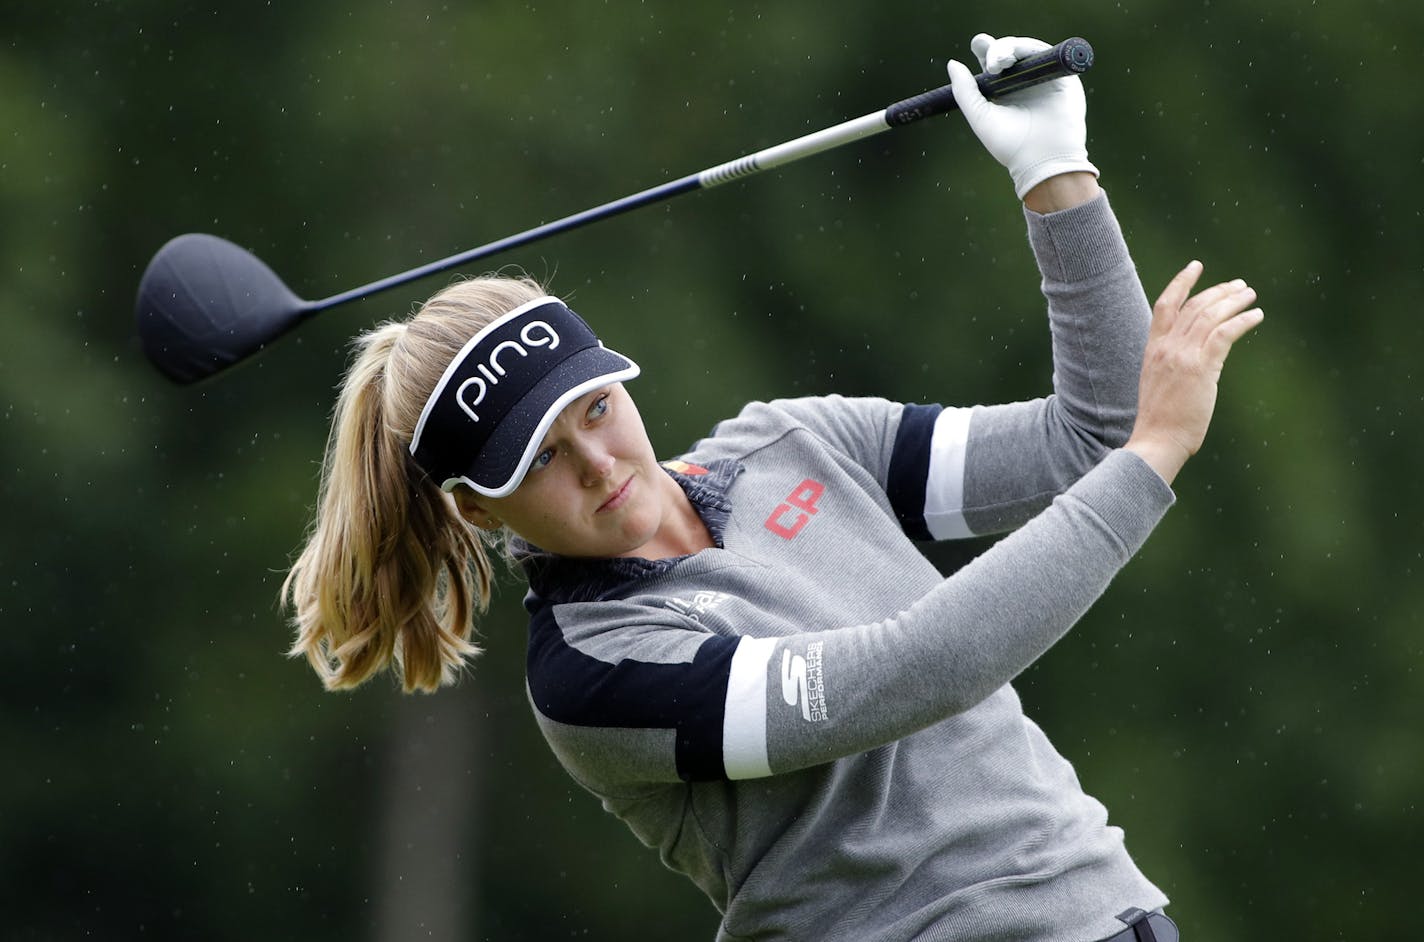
[{"x": 990, "y": 469}]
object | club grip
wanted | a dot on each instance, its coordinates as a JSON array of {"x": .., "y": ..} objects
[{"x": 1070, "y": 57}]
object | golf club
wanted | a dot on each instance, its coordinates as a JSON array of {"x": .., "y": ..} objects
[{"x": 205, "y": 304}]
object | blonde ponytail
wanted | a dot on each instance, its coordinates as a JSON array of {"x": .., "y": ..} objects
[{"x": 391, "y": 574}]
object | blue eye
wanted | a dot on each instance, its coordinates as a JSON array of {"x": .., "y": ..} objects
[
  {"x": 542, "y": 459},
  {"x": 599, "y": 407}
]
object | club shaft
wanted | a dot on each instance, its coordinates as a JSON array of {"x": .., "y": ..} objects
[
  {"x": 766, "y": 159},
  {"x": 652, "y": 195},
  {"x": 1068, "y": 57}
]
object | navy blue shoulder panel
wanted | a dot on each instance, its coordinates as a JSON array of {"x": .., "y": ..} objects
[
  {"x": 573, "y": 688},
  {"x": 909, "y": 472}
]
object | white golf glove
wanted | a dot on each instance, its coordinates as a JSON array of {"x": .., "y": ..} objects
[{"x": 1036, "y": 133}]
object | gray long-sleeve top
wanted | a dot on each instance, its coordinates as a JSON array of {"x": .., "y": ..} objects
[{"x": 812, "y": 723}]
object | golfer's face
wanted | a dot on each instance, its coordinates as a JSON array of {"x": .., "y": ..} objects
[{"x": 595, "y": 488}]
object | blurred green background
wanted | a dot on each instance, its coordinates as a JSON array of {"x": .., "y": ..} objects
[{"x": 1246, "y": 698}]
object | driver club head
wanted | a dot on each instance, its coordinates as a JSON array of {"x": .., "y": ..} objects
[{"x": 204, "y": 304}]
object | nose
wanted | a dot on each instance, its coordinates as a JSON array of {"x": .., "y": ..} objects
[{"x": 596, "y": 464}]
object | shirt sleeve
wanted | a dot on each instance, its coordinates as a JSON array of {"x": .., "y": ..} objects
[
  {"x": 988, "y": 469},
  {"x": 635, "y": 696},
  {"x": 630, "y": 693}
]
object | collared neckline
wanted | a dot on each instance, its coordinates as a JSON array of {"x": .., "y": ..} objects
[{"x": 554, "y": 578}]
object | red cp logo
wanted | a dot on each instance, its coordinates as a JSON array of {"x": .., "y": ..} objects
[{"x": 790, "y": 517}]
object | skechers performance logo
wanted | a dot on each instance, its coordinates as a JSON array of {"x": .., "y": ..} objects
[
  {"x": 472, "y": 391},
  {"x": 803, "y": 682}
]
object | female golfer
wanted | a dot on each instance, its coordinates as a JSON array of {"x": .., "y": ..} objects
[{"x": 741, "y": 651}]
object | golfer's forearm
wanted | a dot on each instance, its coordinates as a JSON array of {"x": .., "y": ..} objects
[
  {"x": 1098, "y": 315},
  {"x": 974, "y": 632}
]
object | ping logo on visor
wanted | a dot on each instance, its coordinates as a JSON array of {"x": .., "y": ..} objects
[
  {"x": 486, "y": 418},
  {"x": 472, "y": 392}
]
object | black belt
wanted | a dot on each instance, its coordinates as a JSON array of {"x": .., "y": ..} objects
[{"x": 1145, "y": 927}]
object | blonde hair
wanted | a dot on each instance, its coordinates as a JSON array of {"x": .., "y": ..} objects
[{"x": 391, "y": 574}]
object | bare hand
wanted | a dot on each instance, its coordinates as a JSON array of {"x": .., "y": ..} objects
[{"x": 1186, "y": 349}]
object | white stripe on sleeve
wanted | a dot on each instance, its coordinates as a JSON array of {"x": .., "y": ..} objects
[
  {"x": 744, "y": 720},
  {"x": 944, "y": 491}
]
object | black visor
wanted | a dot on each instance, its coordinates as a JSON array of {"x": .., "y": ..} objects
[{"x": 488, "y": 415}]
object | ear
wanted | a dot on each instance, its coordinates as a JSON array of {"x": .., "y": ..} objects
[{"x": 475, "y": 514}]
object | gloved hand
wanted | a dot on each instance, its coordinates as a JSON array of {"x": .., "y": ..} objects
[{"x": 1036, "y": 133}]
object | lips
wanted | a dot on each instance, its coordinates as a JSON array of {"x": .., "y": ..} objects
[{"x": 619, "y": 498}]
